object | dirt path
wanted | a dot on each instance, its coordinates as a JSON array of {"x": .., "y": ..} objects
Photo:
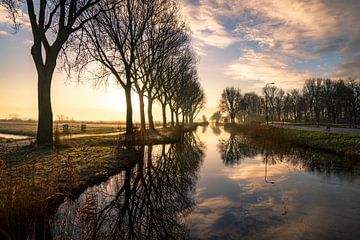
[{"x": 352, "y": 131}]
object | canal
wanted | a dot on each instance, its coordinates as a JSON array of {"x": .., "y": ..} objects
[{"x": 219, "y": 185}]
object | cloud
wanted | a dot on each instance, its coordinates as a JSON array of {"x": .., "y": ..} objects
[
  {"x": 28, "y": 42},
  {"x": 23, "y": 19},
  {"x": 255, "y": 69},
  {"x": 4, "y": 16},
  {"x": 349, "y": 69},
  {"x": 206, "y": 28},
  {"x": 4, "y": 33},
  {"x": 298, "y": 28},
  {"x": 293, "y": 29}
]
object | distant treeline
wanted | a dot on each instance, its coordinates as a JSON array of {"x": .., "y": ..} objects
[{"x": 320, "y": 100}]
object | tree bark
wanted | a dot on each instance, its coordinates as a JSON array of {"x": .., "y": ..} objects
[
  {"x": 142, "y": 112},
  {"x": 150, "y": 116},
  {"x": 129, "y": 122},
  {"x": 45, "y": 117},
  {"x": 172, "y": 118},
  {"x": 164, "y": 114},
  {"x": 45, "y": 73},
  {"x": 177, "y": 118}
]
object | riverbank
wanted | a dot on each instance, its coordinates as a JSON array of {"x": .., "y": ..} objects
[
  {"x": 83, "y": 157},
  {"x": 341, "y": 144},
  {"x": 37, "y": 178},
  {"x": 34, "y": 182}
]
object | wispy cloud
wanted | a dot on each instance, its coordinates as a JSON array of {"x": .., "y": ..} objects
[
  {"x": 4, "y": 33},
  {"x": 206, "y": 29},
  {"x": 255, "y": 69},
  {"x": 274, "y": 33},
  {"x": 23, "y": 19},
  {"x": 349, "y": 69}
]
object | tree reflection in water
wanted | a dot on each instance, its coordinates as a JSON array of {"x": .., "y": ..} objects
[
  {"x": 143, "y": 202},
  {"x": 235, "y": 149},
  {"x": 216, "y": 129},
  {"x": 239, "y": 146}
]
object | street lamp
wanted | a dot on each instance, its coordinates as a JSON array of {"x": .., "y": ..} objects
[{"x": 266, "y": 104}]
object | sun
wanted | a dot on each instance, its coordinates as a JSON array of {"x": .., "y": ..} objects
[{"x": 115, "y": 100}]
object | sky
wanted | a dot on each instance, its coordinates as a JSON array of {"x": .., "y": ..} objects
[{"x": 241, "y": 43}]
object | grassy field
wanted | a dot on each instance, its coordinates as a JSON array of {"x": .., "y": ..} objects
[{"x": 28, "y": 128}]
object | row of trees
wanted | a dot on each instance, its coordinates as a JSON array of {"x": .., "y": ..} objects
[
  {"x": 320, "y": 100},
  {"x": 142, "y": 45}
]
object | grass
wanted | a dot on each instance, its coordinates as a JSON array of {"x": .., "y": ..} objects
[
  {"x": 29, "y": 128},
  {"x": 340, "y": 144},
  {"x": 74, "y": 162},
  {"x": 35, "y": 180},
  {"x": 344, "y": 144}
]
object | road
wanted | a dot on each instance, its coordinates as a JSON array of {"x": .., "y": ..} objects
[{"x": 352, "y": 131}]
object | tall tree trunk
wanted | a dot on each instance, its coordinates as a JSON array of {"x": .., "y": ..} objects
[
  {"x": 129, "y": 122},
  {"x": 163, "y": 105},
  {"x": 142, "y": 112},
  {"x": 355, "y": 116},
  {"x": 45, "y": 74},
  {"x": 150, "y": 116},
  {"x": 45, "y": 117},
  {"x": 177, "y": 117},
  {"x": 172, "y": 117}
]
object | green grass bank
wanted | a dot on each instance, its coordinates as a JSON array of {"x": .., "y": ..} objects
[{"x": 341, "y": 144}]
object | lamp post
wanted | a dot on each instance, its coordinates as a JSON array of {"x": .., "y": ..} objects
[
  {"x": 266, "y": 162},
  {"x": 266, "y": 104}
]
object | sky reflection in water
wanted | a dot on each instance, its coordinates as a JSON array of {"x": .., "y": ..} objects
[
  {"x": 216, "y": 188},
  {"x": 305, "y": 202}
]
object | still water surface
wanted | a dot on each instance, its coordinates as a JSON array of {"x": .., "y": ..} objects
[{"x": 217, "y": 186}]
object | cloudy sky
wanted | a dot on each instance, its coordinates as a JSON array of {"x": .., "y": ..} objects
[{"x": 244, "y": 43}]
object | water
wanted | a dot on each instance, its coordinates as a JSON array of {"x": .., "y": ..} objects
[
  {"x": 13, "y": 136},
  {"x": 218, "y": 185}
]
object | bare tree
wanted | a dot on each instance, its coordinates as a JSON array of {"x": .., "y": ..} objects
[
  {"x": 230, "y": 102},
  {"x": 164, "y": 36},
  {"x": 270, "y": 93},
  {"x": 321, "y": 100},
  {"x": 279, "y": 103},
  {"x": 216, "y": 117},
  {"x": 52, "y": 23},
  {"x": 112, "y": 41}
]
